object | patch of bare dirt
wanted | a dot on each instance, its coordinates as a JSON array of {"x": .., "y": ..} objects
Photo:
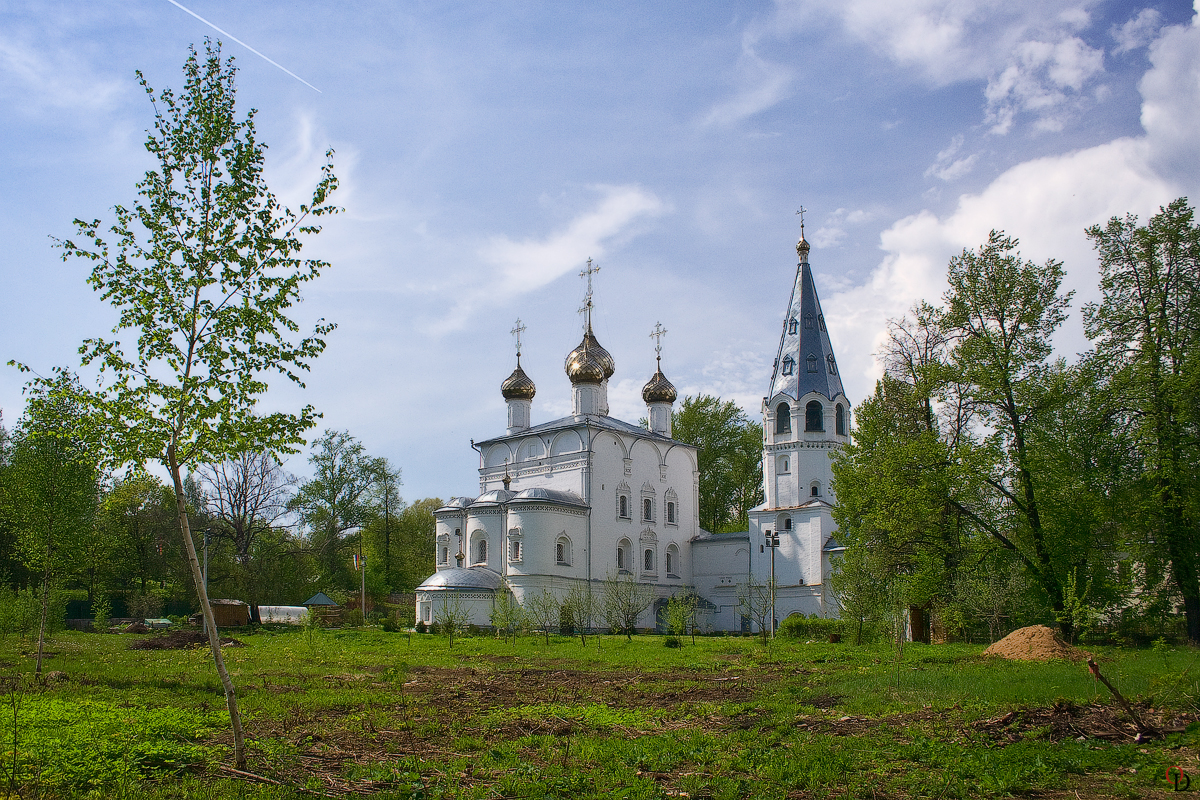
[
  {"x": 179, "y": 640},
  {"x": 1066, "y": 720},
  {"x": 1034, "y": 643}
]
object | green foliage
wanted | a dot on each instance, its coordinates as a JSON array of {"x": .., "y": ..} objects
[
  {"x": 101, "y": 611},
  {"x": 508, "y": 617},
  {"x": 729, "y": 448},
  {"x": 681, "y": 614},
  {"x": 798, "y": 626}
]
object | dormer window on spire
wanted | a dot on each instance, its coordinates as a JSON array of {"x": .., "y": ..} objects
[
  {"x": 812, "y": 362},
  {"x": 789, "y": 365},
  {"x": 832, "y": 364},
  {"x": 792, "y": 325},
  {"x": 808, "y": 322}
]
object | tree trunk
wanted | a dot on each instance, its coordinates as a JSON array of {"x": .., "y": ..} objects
[{"x": 214, "y": 638}]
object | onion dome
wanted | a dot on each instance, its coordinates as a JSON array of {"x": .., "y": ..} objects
[
  {"x": 802, "y": 248},
  {"x": 518, "y": 386},
  {"x": 589, "y": 362},
  {"x": 659, "y": 389}
]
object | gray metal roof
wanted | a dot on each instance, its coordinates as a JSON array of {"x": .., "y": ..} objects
[
  {"x": 594, "y": 420},
  {"x": 492, "y": 498},
  {"x": 475, "y": 578},
  {"x": 539, "y": 495},
  {"x": 810, "y": 339}
]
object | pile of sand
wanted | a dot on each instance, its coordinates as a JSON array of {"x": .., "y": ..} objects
[{"x": 1035, "y": 643}]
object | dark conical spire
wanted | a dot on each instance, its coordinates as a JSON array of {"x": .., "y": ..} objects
[{"x": 805, "y": 361}]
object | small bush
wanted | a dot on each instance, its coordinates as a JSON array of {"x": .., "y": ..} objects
[
  {"x": 353, "y": 618},
  {"x": 434, "y": 628},
  {"x": 422, "y": 627},
  {"x": 801, "y": 627},
  {"x": 672, "y": 641},
  {"x": 391, "y": 624}
]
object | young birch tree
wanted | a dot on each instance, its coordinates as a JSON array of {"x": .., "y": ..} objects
[{"x": 203, "y": 271}]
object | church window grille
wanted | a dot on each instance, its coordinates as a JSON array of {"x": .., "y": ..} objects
[
  {"x": 647, "y": 510},
  {"x": 670, "y": 563},
  {"x": 562, "y": 551},
  {"x": 445, "y": 555},
  {"x": 481, "y": 552},
  {"x": 671, "y": 513},
  {"x": 623, "y": 507},
  {"x": 811, "y": 361},
  {"x": 789, "y": 366},
  {"x": 814, "y": 416},
  {"x": 792, "y": 325},
  {"x": 839, "y": 418},
  {"x": 832, "y": 364},
  {"x": 816, "y": 490},
  {"x": 787, "y": 524},
  {"x": 783, "y": 418},
  {"x": 514, "y": 553},
  {"x": 648, "y": 560},
  {"x": 808, "y": 322}
]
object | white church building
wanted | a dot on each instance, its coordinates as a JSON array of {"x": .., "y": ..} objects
[{"x": 588, "y": 497}]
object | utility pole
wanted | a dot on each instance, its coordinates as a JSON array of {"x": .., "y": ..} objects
[{"x": 771, "y": 540}]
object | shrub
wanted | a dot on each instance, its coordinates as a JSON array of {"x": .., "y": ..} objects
[
  {"x": 672, "y": 641},
  {"x": 421, "y": 627},
  {"x": 353, "y": 618},
  {"x": 798, "y": 626},
  {"x": 566, "y": 620},
  {"x": 391, "y": 624},
  {"x": 100, "y": 613}
]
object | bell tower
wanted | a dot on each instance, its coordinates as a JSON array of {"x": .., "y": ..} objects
[{"x": 806, "y": 415}]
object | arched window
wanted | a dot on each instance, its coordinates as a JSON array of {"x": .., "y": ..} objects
[
  {"x": 623, "y": 555},
  {"x": 445, "y": 554},
  {"x": 789, "y": 366},
  {"x": 808, "y": 320},
  {"x": 814, "y": 416},
  {"x": 648, "y": 560},
  {"x": 670, "y": 562},
  {"x": 624, "y": 511},
  {"x": 671, "y": 513},
  {"x": 832, "y": 365},
  {"x": 839, "y": 419},
  {"x": 783, "y": 418},
  {"x": 481, "y": 552},
  {"x": 787, "y": 524},
  {"x": 811, "y": 361},
  {"x": 515, "y": 550},
  {"x": 792, "y": 324},
  {"x": 647, "y": 510},
  {"x": 562, "y": 550},
  {"x": 816, "y": 490}
]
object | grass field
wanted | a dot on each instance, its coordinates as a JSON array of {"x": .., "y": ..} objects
[{"x": 404, "y": 716}]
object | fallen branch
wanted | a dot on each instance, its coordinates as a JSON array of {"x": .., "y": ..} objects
[{"x": 1137, "y": 720}]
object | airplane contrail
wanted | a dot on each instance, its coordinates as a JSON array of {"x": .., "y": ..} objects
[{"x": 243, "y": 44}]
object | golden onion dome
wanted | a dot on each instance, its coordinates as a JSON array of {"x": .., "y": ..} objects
[
  {"x": 802, "y": 248},
  {"x": 589, "y": 362},
  {"x": 659, "y": 389},
  {"x": 518, "y": 386}
]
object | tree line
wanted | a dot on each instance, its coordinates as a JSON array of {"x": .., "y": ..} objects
[{"x": 990, "y": 484}]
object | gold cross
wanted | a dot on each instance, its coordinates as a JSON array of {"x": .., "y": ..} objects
[
  {"x": 517, "y": 331},
  {"x": 591, "y": 270},
  {"x": 657, "y": 334}
]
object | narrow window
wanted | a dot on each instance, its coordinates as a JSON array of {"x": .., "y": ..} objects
[
  {"x": 561, "y": 553},
  {"x": 832, "y": 365},
  {"x": 482, "y": 551},
  {"x": 783, "y": 418},
  {"x": 445, "y": 554},
  {"x": 624, "y": 507},
  {"x": 670, "y": 563},
  {"x": 649, "y": 560},
  {"x": 821, "y": 321},
  {"x": 621, "y": 558},
  {"x": 789, "y": 366},
  {"x": 792, "y": 324},
  {"x": 787, "y": 524},
  {"x": 671, "y": 513},
  {"x": 647, "y": 509},
  {"x": 808, "y": 322},
  {"x": 816, "y": 490},
  {"x": 839, "y": 417},
  {"x": 516, "y": 551},
  {"x": 811, "y": 361},
  {"x": 814, "y": 417}
]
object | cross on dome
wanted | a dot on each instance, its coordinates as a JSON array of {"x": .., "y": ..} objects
[
  {"x": 657, "y": 334},
  {"x": 516, "y": 332},
  {"x": 587, "y": 298}
]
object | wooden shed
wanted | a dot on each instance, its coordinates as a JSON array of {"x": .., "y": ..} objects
[
  {"x": 230, "y": 613},
  {"x": 323, "y": 608}
]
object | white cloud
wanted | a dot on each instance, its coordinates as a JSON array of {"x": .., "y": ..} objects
[
  {"x": 948, "y": 168},
  {"x": 1045, "y": 78},
  {"x": 1138, "y": 31},
  {"x": 516, "y": 267},
  {"x": 46, "y": 78},
  {"x": 833, "y": 231},
  {"x": 761, "y": 83},
  {"x": 1046, "y": 203}
]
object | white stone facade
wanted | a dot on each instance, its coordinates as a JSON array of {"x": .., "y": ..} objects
[{"x": 587, "y": 497}]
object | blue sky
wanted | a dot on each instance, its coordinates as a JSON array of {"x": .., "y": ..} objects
[{"x": 486, "y": 150}]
